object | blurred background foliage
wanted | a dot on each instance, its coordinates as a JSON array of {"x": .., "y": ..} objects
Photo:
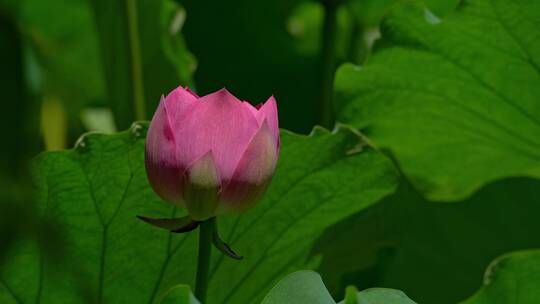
[
  {"x": 70, "y": 66},
  {"x": 411, "y": 244}
]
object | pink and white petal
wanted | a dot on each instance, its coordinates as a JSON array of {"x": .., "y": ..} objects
[
  {"x": 176, "y": 104},
  {"x": 218, "y": 122},
  {"x": 253, "y": 173},
  {"x": 203, "y": 185},
  {"x": 164, "y": 173},
  {"x": 269, "y": 112}
]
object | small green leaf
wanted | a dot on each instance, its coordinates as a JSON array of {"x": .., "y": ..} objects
[
  {"x": 351, "y": 295},
  {"x": 513, "y": 278},
  {"x": 180, "y": 294},
  {"x": 307, "y": 287},
  {"x": 382, "y": 296},
  {"x": 300, "y": 287},
  {"x": 457, "y": 107}
]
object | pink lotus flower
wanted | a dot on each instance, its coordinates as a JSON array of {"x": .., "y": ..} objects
[{"x": 212, "y": 154}]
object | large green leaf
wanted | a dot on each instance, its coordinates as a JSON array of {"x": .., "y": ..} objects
[
  {"x": 411, "y": 244},
  {"x": 458, "y": 107},
  {"x": 143, "y": 53},
  {"x": 511, "y": 279},
  {"x": 97, "y": 189}
]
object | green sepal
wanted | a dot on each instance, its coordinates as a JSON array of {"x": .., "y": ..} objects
[
  {"x": 222, "y": 246},
  {"x": 176, "y": 225}
]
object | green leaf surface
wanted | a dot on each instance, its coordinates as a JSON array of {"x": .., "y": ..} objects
[
  {"x": 511, "y": 279},
  {"x": 180, "y": 294},
  {"x": 300, "y": 287},
  {"x": 141, "y": 41},
  {"x": 96, "y": 190},
  {"x": 457, "y": 107},
  {"x": 411, "y": 244}
]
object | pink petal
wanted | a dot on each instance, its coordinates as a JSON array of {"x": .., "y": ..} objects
[
  {"x": 254, "y": 171},
  {"x": 269, "y": 112},
  {"x": 176, "y": 103},
  {"x": 192, "y": 93},
  {"x": 251, "y": 108},
  {"x": 217, "y": 122},
  {"x": 164, "y": 173}
]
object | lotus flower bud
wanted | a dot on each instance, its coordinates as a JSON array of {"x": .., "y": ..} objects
[{"x": 213, "y": 154}]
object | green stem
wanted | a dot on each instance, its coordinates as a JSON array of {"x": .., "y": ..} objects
[
  {"x": 136, "y": 65},
  {"x": 206, "y": 230},
  {"x": 326, "y": 109}
]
